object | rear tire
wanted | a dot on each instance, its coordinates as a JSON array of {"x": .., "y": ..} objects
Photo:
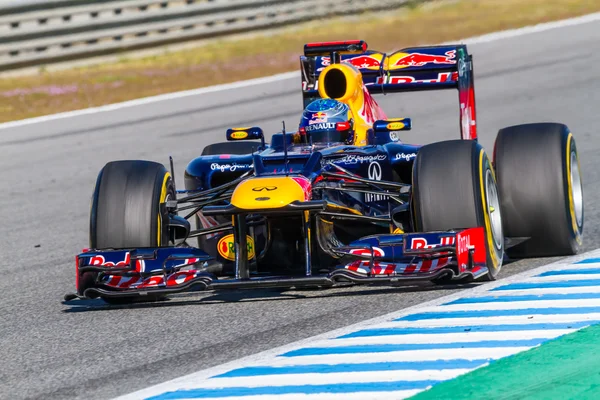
[
  {"x": 454, "y": 187},
  {"x": 233, "y": 148},
  {"x": 541, "y": 194},
  {"x": 128, "y": 209}
]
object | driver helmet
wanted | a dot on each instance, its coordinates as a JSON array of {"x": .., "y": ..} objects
[{"x": 326, "y": 121}]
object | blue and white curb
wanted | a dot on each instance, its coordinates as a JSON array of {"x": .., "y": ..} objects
[{"x": 403, "y": 353}]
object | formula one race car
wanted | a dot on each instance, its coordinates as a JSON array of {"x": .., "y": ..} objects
[{"x": 342, "y": 199}]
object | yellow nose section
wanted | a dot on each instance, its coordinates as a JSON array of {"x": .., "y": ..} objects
[{"x": 270, "y": 192}]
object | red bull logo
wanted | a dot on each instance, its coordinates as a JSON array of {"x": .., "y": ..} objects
[
  {"x": 422, "y": 59},
  {"x": 418, "y": 243},
  {"x": 364, "y": 61},
  {"x": 318, "y": 118},
  {"x": 99, "y": 260}
]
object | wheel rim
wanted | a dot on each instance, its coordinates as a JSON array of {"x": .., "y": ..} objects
[
  {"x": 493, "y": 210},
  {"x": 576, "y": 189}
]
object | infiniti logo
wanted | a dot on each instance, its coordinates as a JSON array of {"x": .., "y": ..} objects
[
  {"x": 375, "y": 175},
  {"x": 375, "y": 171},
  {"x": 261, "y": 188}
]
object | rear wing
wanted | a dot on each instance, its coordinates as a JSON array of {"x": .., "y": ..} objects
[{"x": 410, "y": 69}]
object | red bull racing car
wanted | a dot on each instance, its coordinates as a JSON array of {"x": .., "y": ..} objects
[{"x": 340, "y": 199}]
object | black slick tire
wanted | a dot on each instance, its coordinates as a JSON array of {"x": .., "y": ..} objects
[
  {"x": 452, "y": 182},
  {"x": 233, "y": 148},
  {"x": 128, "y": 208},
  {"x": 541, "y": 194}
]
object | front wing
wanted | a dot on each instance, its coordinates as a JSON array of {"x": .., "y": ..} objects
[{"x": 384, "y": 259}]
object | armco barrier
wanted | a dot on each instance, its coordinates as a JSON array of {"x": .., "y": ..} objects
[{"x": 35, "y": 32}]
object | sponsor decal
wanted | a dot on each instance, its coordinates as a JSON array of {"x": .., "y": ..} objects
[
  {"x": 417, "y": 243},
  {"x": 466, "y": 120},
  {"x": 325, "y": 62},
  {"x": 361, "y": 61},
  {"x": 395, "y": 126},
  {"x": 464, "y": 244},
  {"x": 226, "y": 247},
  {"x": 239, "y": 135},
  {"x": 359, "y": 159},
  {"x": 318, "y": 118},
  {"x": 261, "y": 188},
  {"x": 470, "y": 241},
  {"x": 422, "y": 59},
  {"x": 394, "y": 137},
  {"x": 229, "y": 167},
  {"x": 180, "y": 277},
  {"x": 462, "y": 67},
  {"x": 398, "y": 80},
  {"x": 320, "y": 126},
  {"x": 100, "y": 260},
  {"x": 377, "y": 252},
  {"x": 310, "y": 86},
  {"x": 375, "y": 173},
  {"x": 405, "y": 157}
]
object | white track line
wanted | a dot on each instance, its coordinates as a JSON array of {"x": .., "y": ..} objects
[
  {"x": 517, "y": 305},
  {"x": 508, "y": 320},
  {"x": 292, "y": 74},
  {"x": 481, "y": 353},
  {"x": 331, "y": 378},
  {"x": 563, "y": 278},
  {"x": 536, "y": 292},
  {"x": 396, "y": 395},
  {"x": 459, "y": 337}
]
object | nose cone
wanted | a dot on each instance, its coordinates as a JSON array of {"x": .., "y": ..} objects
[{"x": 270, "y": 192}]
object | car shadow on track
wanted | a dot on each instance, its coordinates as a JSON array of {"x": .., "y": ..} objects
[{"x": 258, "y": 295}]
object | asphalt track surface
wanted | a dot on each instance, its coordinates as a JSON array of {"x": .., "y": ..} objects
[{"x": 89, "y": 350}]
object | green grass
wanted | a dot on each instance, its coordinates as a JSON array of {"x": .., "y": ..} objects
[{"x": 560, "y": 369}]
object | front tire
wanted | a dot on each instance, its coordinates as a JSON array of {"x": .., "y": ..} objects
[
  {"x": 540, "y": 189},
  {"x": 454, "y": 187},
  {"x": 128, "y": 211},
  {"x": 128, "y": 206}
]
